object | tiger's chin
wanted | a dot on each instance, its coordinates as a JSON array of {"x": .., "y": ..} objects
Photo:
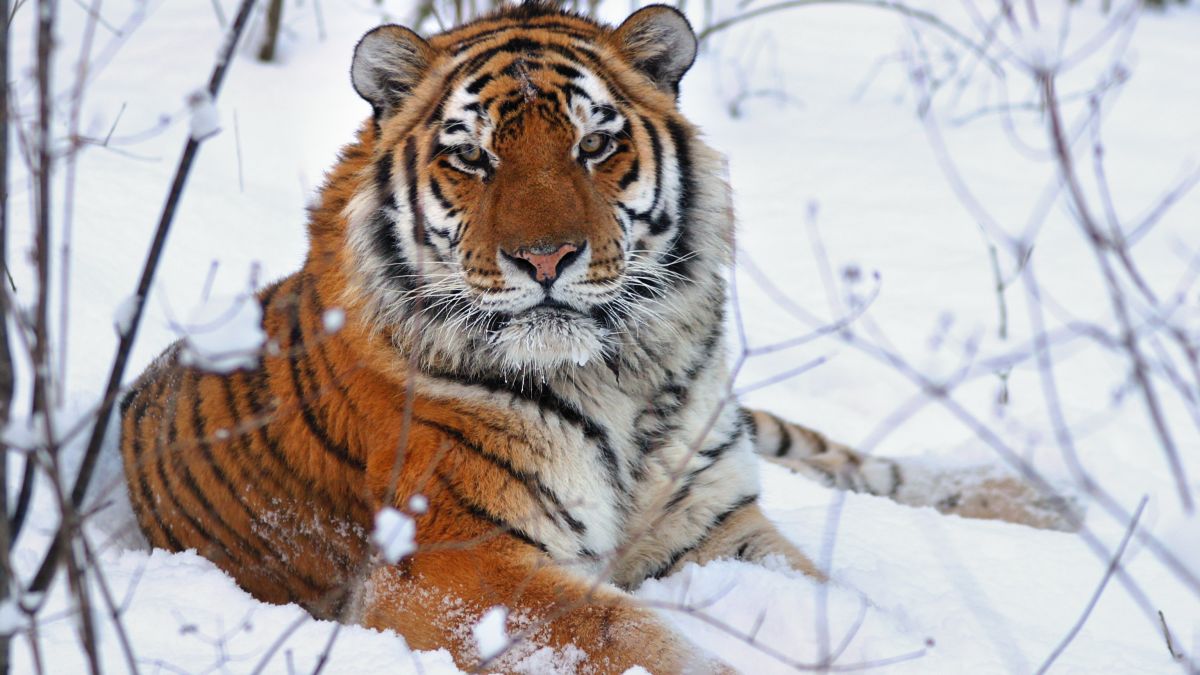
[{"x": 541, "y": 340}]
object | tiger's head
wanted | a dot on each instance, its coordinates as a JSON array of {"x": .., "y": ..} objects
[{"x": 534, "y": 200}]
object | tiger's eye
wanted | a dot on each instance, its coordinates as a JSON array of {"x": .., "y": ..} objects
[
  {"x": 470, "y": 153},
  {"x": 593, "y": 143}
]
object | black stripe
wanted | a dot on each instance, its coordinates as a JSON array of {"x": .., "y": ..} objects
[
  {"x": 607, "y": 112},
  {"x": 548, "y": 403},
  {"x": 238, "y": 438},
  {"x": 533, "y": 485},
  {"x": 674, "y": 395},
  {"x": 630, "y": 175},
  {"x": 436, "y": 189},
  {"x": 322, "y": 356},
  {"x": 714, "y": 453},
  {"x": 681, "y": 248},
  {"x": 566, "y": 71},
  {"x": 479, "y": 83},
  {"x": 148, "y": 502},
  {"x": 264, "y": 547},
  {"x": 519, "y": 44},
  {"x": 420, "y": 230},
  {"x": 785, "y": 438},
  {"x": 383, "y": 174},
  {"x": 519, "y": 67},
  {"x": 674, "y": 558},
  {"x": 259, "y": 410},
  {"x": 748, "y": 423},
  {"x": 171, "y": 493},
  {"x": 575, "y": 91},
  {"x": 555, "y": 26},
  {"x": 509, "y": 106},
  {"x": 477, "y": 61},
  {"x": 822, "y": 444},
  {"x": 485, "y": 515},
  {"x": 386, "y": 241},
  {"x": 316, "y": 428},
  {"x": 660, "y": 223},
  {"x": 183, "y": 469},
  {"x": 657, "y": 152}
]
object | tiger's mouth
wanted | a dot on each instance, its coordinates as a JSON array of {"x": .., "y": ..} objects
[
  {"x": 551, "y": 306},
  {"x": 550, "y": 335}
]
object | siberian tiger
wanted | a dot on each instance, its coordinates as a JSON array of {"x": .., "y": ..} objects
[{"x": 524, "y": 251}]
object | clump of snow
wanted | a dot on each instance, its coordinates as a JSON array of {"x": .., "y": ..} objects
[
  {"x": 636, "y": 670},
  {"x": 123, "y": 314},
  {"x": 333, "y": 319},
  {"x": 394, "y": 534},
  {"x": 418, "y": 504},
  {"x": 203, "y": 119},
  {"x": 490, "y": 637},
  {"x": 223, "y": 333}
]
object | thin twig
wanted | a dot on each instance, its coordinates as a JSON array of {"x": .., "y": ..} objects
[
  {"x": 1167, "y": 636},
  {"x": 1108, "y": 573}
]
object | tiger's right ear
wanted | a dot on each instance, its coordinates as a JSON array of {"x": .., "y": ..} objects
[{"x": 389, "y": 61}]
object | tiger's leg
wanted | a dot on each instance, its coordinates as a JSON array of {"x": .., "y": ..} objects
[
  {"x": 746, "y": 534},
  {"x": 433, "y": 599},
  {"x": 974, "y": 492}
]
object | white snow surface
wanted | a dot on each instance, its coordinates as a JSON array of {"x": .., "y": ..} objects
[
  {"x": 820, "y": 117},
  {"x": 393, "y": 534},
  {"x": 490, "y": 636}
]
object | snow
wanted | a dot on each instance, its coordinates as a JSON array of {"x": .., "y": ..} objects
[
  {"x": 418, "y": 504},
  {"x": 393, "y": 534},
  {"x": 123, "y": 314},
  {"x": 204, "y": 120},
  {"x": 831, "y": 120},
  {"x": 333, "y": 319},
  {"x": 223, "y": 333},
  {"x": 490, "y": 636}
]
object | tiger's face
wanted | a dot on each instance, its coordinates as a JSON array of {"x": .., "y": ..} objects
[{"x": 529, "y": 201}]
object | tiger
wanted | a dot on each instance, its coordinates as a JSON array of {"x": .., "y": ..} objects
[{"x": 508, "y": 328}]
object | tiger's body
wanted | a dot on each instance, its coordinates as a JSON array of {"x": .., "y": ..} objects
[{"x": 532, "y": 342}]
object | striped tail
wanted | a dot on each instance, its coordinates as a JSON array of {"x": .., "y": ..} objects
[{"x": 985, "y": 492}]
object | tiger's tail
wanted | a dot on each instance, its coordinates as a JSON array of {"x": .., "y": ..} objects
[{"x": 984, "y": 492}]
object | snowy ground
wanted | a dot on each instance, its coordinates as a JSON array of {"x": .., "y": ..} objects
[{"x": 834, "y": 146}]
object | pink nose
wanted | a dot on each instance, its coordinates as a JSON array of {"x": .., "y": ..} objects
[{"x": 545, "y": 260}]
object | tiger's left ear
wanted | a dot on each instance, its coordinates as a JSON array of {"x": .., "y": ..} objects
[
  {"x": 659, "y": 41},
  {"x": 389, "y": 62}
]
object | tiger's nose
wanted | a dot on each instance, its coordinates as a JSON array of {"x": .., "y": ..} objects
[{"x": 545, "y": 263}]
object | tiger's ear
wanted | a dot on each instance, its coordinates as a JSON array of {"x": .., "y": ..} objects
[
  {"x": 659, "y": 41},
  {"x": 389, "y": 61}
]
